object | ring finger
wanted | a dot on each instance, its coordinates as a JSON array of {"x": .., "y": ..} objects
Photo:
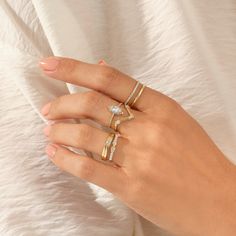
[{"x": 84, "y": 137}]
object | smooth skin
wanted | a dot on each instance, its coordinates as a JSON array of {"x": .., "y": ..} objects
[{"x": 166, "y": 167}]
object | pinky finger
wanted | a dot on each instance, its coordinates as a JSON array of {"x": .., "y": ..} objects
[{"x": 108, "y": 177}]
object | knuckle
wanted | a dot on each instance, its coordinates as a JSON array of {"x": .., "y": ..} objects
[
  {"x": 84, "y": 134},
  {"x": 108, "y": 77},
  {"x": 91, "y": 100},
  {"x": 172, "y": 107},
  {"x": 157, "y": 134},
  {"x": 67, "y": 65},
  {"x": 155, "y": 131},
  {"x": 91, "y": 97},
  {"x": 85, "y": 169}
]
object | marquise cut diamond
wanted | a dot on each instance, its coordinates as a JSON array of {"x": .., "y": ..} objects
[{"x": 116, "y": 110}]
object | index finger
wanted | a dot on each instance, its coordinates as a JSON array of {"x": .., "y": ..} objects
[{"x": 103, "y": 78}]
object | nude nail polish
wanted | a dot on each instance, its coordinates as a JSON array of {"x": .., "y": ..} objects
[
  {"x": 102, "y": 62},
  {"x": 51, "y": 150},
  {"x": 47, "y": 129},
  {"x": 45, "y": 109},
  {"x": 49, "y": 64}
]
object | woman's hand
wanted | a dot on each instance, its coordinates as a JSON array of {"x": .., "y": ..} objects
[{"x": 167, "y": 168}]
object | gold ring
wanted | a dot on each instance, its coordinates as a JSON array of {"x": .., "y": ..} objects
[
  {"x": 135, "y": 94},
  {"x": 113, "y": 146},
  {"x": 138, "y": 95},
  {"x": 118, "y": 115},
  {"x": 107, "y": 145},
  {"x": 130, "y": 98}
]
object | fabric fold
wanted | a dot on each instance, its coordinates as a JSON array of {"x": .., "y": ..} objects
[{"x": 175, "y": 47}]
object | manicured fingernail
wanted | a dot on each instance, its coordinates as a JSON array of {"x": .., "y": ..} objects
[
  {"x": 46, "y": 109},
  {"x": 49, "y": 64},
  {"x": 51, "y": 149},
  {"x": 47, "y": 129},
  {"x": 102, "y": 62},
  {"x": 50, "y": 122}
]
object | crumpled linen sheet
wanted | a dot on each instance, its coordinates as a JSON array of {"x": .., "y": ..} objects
[{"x": 185, "y": 49}]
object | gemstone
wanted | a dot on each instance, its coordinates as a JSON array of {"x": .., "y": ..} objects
[{"x": 116, "y": 110}]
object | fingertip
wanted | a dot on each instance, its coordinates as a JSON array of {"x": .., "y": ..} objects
[
  {"x": 102, "y": 62},
  {"x": 51, "y": 149},
  {"x": 49, "y": 64},
  {"x": 45, "y": 109}
]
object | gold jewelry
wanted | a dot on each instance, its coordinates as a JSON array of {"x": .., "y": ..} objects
[
  {"x": 107, "y": 145},
  {"x": 132, "y": 93},
  {"x": 138, "y": 95},
  {"x": 116, "y": 112},
  {"x": 113, "y": 147},
  {"x": 135, "y": 94}
]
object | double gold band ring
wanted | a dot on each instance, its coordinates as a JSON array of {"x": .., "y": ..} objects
[
  {"x": 135, "y": 94},
  {"x": 107, "y": 145},
  {"x": 110, "y": 146}
]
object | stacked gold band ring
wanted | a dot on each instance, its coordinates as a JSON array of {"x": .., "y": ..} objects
[
  {"x": 109, "y": 147},
  {"x": 135, "y": 94},
  {"x": 120, "y": 113}
]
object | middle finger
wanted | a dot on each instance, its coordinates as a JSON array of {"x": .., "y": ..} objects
[{"x": 91, "y": 104}]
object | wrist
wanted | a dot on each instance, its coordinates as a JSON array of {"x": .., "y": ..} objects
[
  {"x": 217, "y": 214},
  {"x": 222, "y": 217}
]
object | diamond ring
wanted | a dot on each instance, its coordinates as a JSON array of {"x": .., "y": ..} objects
[{"x": 118, "y": 115}]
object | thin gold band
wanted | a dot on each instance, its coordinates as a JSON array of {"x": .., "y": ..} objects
[
  {"x": 132, "y": 93},
  {"x": 113, "y": 146},
  {"x": 107, "y": 145},
  {"x": 138, "y": 95}
]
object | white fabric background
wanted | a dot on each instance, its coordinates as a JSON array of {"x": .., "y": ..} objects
[{"x": 185, "y": 49}]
